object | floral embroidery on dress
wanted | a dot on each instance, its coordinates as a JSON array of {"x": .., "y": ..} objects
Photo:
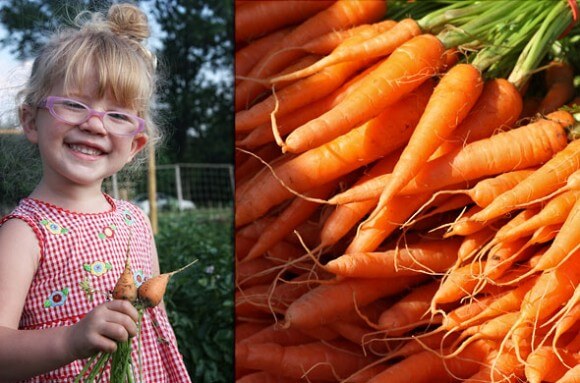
[
  {"x": 53, "y": 227},
  {"x": 128, "y": 217},
  {"x": 57, "y": 298},
  {"x": 87, "y": 288},
  {"x": 97, "y": 268},
  {"x": 108, "y": 232}
]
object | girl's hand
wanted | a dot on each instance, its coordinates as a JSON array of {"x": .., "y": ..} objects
[{"x": 102, "y": 328}]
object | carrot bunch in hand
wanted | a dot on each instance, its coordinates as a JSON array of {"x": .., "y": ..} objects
[
  {"x": 404, "y": 214},
  {"x": 148, "y": 294}
]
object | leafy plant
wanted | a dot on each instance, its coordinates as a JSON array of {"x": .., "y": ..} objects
[{"x": 200, "y": 302}]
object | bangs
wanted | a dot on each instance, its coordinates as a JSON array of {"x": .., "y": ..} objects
[{"x": 118, "y": 69}]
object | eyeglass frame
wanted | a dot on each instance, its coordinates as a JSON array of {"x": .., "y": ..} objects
[{"x": 48, "y": 103}]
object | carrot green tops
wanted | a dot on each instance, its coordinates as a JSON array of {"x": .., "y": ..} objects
[{"x": 82, "y": 256}]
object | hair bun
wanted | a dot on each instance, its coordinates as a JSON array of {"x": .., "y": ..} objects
[{"x": 128, "y": 20}]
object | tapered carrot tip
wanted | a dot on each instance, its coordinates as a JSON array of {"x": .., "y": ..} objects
[
  {"x": 152, "y": 290},
  {"x": 125, "y": 287}
]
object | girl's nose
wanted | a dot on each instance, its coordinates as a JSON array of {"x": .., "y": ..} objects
[{"x": 94, "y": 125}]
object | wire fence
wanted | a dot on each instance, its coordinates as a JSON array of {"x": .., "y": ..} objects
[{"x": 186, "y": 188}]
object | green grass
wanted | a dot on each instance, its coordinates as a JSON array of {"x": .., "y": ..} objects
[{"x": 199, "y": 300}]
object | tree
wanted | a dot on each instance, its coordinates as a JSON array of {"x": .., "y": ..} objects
[
  {"x": 197, "y": 53},
  {"x": 196, "y": 59}
]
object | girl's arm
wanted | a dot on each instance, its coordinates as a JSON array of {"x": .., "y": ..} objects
[{"x": 26, "y": 353}]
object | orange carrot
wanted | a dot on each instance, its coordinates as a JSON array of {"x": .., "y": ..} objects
[
  {"x": 517, "y": 149},
  {"x": 549, "y": 177},
  {"x": 151, "y": 291},
  {"x": 264, "y": 377},
  {"x": 380, "y": 45},
  {"x": 125, "y": 288},
  {"x": 326, "y": 302},
  {"x": 300, "y": 63},
  {"x": 341, "y": 14},
  {"x": 251, "y": 166},
  {"x": 423, "y": 257},
  {"x": 405, "y": 69},
  {"x": 501, "y": 258},
  {"x": 550, "y": 290},
  {"x": 462, "y": 316},
  {"x": 509, "y": 301},
  {"x": 497, "y": 108},
  {"x": 326, "y": 43},
  {"x": 286, "y": 124},
  {"x": 274, "y": 334},
  {"x": 554, "y": 212},
  {"x": 567, "y": 321},
  {"x": 545, "y": 234},
  {"x": 261, "y": 301},
  {"x": 473, "y": 242},
  {"x": 316, "y": 360},
  {"x": 359, "y": 147},
  {"x": 493, "y": 329},
  {"x": 297, "y": 212},
  {"x": 457, "y": 283},
  {"x": 464, "y": 226},
  {"x": 266, "y": 268},
  {"x": 521, "y": 148},
  {"x": 413, "y": 345},
  {"x": 559, "y": 80},
  {"x": 452, "y": 99},
  {"x": 296, "y": 95},
  {"x": 440, "y": 205},
  {"x": 345, "y": 217},
  {"x": 373, "y": 232},
  {"x": 407, "y": 312},
  {"x": 427, "y": 366},
  {"x": 262, "y": 17},
  {"x": 486, "y": 190},
  {"x": 246, "y": 329},
  {"x": 508, "y": 369},
  {"x": 388, "y": 122},
  {"x": 546, "y": 364},
  {"x": 566, "y": 243},
  {"x": 246, "y": 57},
  {"x": 571, "y": 376}
]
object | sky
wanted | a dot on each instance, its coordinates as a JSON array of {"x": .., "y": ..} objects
[{"x": 13, "y": 75}]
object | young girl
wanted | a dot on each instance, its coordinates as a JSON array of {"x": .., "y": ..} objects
[{"x": 87, "y": 109}]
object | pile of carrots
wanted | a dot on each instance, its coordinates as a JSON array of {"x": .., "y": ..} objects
[{"x": 400, "y": 215}]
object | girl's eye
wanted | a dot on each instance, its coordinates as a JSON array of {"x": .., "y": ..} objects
[
  {"x": 73, "y": 105},
  {"x": 119, "y": 116}
]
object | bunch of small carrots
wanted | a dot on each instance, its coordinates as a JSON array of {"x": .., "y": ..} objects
[
  {"x": 119, "y": 365},
  {"x": 407, "y": 202}
]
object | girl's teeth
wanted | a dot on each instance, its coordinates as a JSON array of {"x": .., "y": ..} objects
[{"x": 86, "y": 150}]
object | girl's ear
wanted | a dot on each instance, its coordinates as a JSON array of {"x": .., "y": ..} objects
[
  {"x": 28, "y": 122},
  {"x": 139, "y": 142}
]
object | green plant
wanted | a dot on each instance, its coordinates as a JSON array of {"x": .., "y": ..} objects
[{"x": 200, "y": 302}]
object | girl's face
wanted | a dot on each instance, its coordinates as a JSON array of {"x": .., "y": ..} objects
[{"x": 81, "y": 154}]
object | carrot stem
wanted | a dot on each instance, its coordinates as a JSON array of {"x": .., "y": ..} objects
[
  {"x": 182, "y": 268},
  {"x": 553, "y": 25},
  {"x": 86, "y": 366}
]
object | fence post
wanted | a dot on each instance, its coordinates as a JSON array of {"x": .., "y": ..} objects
[
  {"x": 178, "y": 185},
  {"x": 232, "y": 178}
]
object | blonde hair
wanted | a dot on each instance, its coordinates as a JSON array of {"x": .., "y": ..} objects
[{"x": 112, "y": 46}]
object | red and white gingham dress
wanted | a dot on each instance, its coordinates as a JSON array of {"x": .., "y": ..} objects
[{"x": 82, "y": 255}]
